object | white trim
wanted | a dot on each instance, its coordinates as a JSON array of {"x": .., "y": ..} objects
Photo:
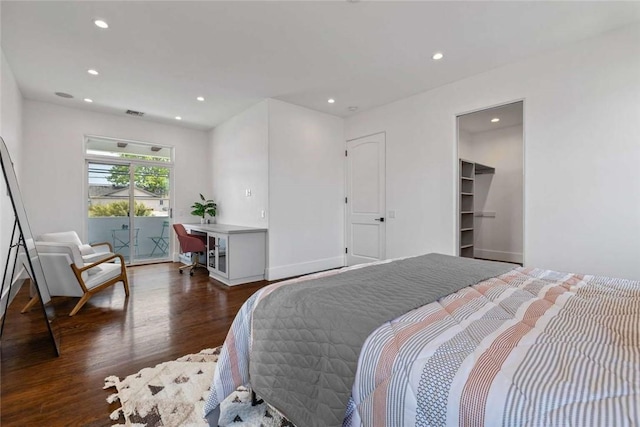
[
  {"x": 345, "y": 210},
  {"x": 368, "y": 135},
  {"x": 235, "y": 282},
  {"x": 498, "y": 255},
  {"x": 291, "y": 270},
  {"x": 524, "y": 181}
]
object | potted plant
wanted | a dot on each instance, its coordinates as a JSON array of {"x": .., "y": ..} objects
[{"x": 205, "y": 207}]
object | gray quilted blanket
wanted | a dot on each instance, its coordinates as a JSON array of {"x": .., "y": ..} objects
[{"x": 307, "y": 337}]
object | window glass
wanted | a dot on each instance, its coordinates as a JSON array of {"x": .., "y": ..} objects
[{"x": 127, "y": 149}]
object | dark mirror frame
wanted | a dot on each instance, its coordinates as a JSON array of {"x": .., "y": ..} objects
[{"x": 25, "y": 257}]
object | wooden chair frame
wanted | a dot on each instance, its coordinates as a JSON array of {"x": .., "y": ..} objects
[{"x": 88, "y": 293}]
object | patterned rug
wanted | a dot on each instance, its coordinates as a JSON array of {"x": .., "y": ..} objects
[{"x": 174, "y": 393}]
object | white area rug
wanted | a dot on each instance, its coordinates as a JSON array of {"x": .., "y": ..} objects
[{"x": 174, "y": 393}]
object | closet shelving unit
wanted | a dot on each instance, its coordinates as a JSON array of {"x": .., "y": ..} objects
[{"x": 468, "y": 171}]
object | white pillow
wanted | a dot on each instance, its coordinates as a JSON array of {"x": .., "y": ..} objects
[{"x": 86, "y": 250}]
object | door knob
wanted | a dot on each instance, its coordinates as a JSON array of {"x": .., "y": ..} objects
[{"x": 379, "y": 219}]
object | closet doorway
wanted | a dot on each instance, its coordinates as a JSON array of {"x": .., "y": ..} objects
[{"x": 490, "y": 190}]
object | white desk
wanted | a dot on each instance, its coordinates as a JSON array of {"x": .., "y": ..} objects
[{"x": 235, "y": 254}]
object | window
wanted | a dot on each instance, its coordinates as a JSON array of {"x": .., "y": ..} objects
[{"x": 128, "y": 197}]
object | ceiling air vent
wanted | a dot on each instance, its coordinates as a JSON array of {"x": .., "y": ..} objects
[{"x": 135, "y": 113}]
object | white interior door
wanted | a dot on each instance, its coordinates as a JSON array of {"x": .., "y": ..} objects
[{"x": 365, "y": 224}]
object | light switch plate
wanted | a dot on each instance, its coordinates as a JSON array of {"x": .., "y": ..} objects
[{"x": 247, "y": 192}]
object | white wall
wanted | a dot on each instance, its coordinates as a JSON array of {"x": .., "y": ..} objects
[
  {"x": 292, "y": 160},
  {"x": 11, "y": 132},
  {"x": 306, "y": 190},
  {"x": 582, "y": 192},
  {"x": 240, "y": 158},
  {"x": 10, "y": 112},
  {"x": 54, "y": 172},
  {"x": 499, "y": 237}
]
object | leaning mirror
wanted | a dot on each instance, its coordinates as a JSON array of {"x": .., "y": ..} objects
[{"x": 22, "y": 260}]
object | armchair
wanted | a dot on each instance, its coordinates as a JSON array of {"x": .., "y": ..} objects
[{"x": 68, "y": 274}]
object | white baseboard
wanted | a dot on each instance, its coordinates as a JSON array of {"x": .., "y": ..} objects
[
  {"x": 291, "y": 270},
  {"x": 498, "y": 255}
]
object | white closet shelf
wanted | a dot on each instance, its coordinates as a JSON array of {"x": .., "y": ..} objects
[
  {"x": 467, "y": 171},
  {"x": 483, "y": 169}
]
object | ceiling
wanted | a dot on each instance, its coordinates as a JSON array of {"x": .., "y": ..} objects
[
  {"x": 480, "y": 121},
  {"x": 157, "y": 57}
]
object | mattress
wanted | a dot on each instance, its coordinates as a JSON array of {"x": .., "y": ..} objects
[{"x": 526, "y": 347}]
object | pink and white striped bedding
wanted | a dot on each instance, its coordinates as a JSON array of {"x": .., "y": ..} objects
[{"x": 530, "y": 347}]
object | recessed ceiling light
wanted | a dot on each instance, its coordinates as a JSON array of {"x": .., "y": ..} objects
[
  {"x": 101, "y": 24},
  {"x": 200, "y": 98},
  {"x": 331, "y": 100},
  {"x": 178, "y": 118},
  {"x": 93, "y": 72},
  {"x": 437, "y": 56},
  {"x": 495, "y": 120},
  {"x": 89, "y": 100}
]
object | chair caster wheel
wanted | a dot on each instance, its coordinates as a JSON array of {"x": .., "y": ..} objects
[{"x": 180, "y": 271}]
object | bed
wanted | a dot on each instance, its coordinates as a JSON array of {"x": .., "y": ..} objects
[{"x": 438, "y": 340}]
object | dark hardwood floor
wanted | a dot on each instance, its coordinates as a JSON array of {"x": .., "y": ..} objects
[{"x": 166, "y": 316}]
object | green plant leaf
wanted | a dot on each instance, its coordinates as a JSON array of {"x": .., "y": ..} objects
[{"x": 208, "y": 207}]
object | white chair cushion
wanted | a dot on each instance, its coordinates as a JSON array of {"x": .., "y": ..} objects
[
  {"x": 88, "y": 252},
  {"x": 93, "y": 271},
  {"x": 61, "y": 237},
  {"x": 90, "y": 259},
  {"x": 109, "y": 271}
]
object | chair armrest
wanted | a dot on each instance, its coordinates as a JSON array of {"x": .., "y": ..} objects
[
  {"x": 80, "y": 271},
  {"x": 107, "y": 244}
]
